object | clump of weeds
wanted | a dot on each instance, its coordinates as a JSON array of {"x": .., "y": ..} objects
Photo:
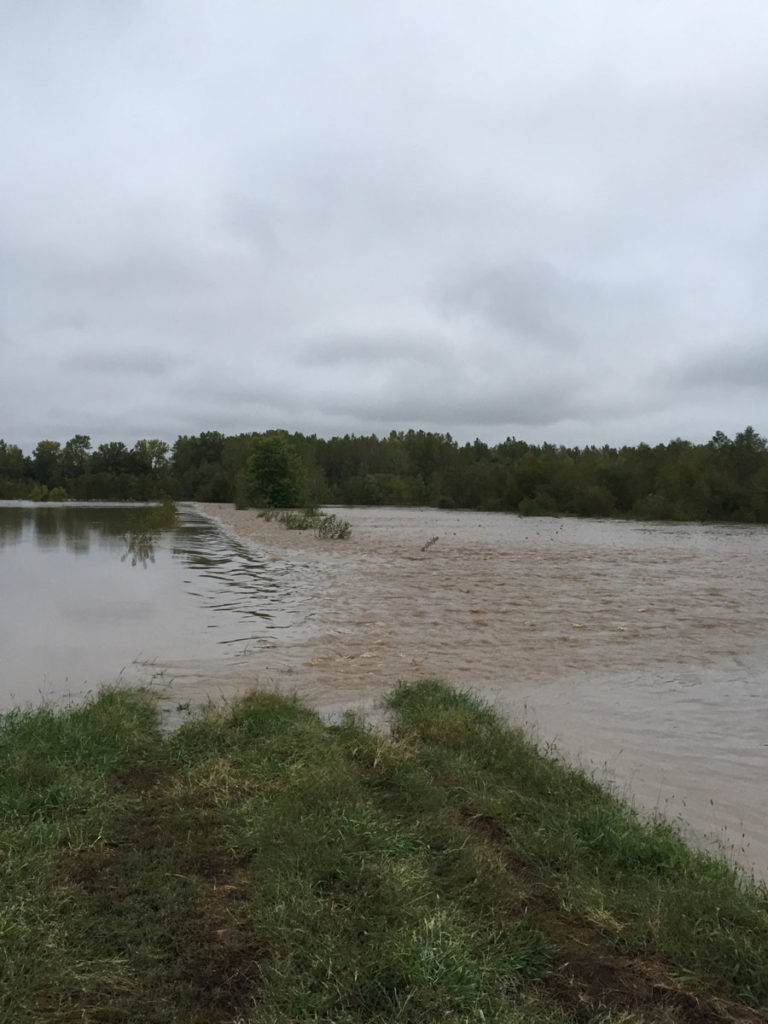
[{"x": 324, "y": 525}]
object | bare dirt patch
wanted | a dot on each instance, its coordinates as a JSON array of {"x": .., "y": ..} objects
[{"x": 168, "y": 895}]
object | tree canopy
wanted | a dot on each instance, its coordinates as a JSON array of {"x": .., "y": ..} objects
[
  {"x": 273, "y": 475},
  {"x": 725, "y": 479}
]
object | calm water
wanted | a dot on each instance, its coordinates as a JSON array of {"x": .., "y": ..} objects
[
  {"x": 87, "y": 599},
  {"x": 639, "y": 649}
]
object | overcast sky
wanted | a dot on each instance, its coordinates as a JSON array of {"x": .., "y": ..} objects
[{"x": 546, "y": 220}]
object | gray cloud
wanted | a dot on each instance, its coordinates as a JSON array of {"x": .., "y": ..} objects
[
  {"x": 252, "y": 221},
  {"x": 532, "y": 407},
  {"x": 740, "y": 365},
  {"x": 527, "y": 299},
  {"x": 364, "y": 349},
  {"x": 111, "y": 363}
]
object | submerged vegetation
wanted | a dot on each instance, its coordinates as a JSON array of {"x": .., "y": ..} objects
[
  {"x": 324, "y": 525},
  {"x": 261, "y": 866},
  {"x": 723, "y": 480},
  {"x": 161, "y": 516}
]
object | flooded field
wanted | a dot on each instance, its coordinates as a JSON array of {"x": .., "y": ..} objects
[{"x": 638, "y": 649}]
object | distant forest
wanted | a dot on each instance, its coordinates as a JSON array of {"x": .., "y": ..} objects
[{"x": 723, "y": 480}]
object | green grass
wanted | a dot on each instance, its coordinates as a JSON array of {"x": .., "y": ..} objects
[{"x": 260, "y": 866}]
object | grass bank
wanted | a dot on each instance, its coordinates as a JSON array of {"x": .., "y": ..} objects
[{"x": 260, "y": 866}]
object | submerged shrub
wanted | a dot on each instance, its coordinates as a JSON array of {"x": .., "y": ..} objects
[
  {"x": 326, "y": 527},
  {"x": 299, "y": 520},
  {"x": 333, "y": 528}
]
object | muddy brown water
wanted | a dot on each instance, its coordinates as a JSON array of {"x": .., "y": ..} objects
[{"x": 637, "y": 650}]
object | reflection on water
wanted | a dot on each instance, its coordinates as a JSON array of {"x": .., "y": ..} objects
[
  {"x": 140, "y": 549},
  {"x": 11, "y": 525},
  {"x": 49, "y": 526},
  {"x": 76, "y": 615}
]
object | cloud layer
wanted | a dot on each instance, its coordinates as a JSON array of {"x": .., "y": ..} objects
[{"x": 543, "y": 220}]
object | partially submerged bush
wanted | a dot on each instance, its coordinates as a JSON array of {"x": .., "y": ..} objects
[
  {"x": 326, "y": 527},
  {"x": 332, "y": 528},
  {"x": 41, "y": 493},
  {"x": 160, "y": 517},
  {"x": 299, "y": 520}
]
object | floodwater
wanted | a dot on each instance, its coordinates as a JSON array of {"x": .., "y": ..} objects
[
  {"x": 638, "y": 649},
  {"x": 88, "y": 597}
]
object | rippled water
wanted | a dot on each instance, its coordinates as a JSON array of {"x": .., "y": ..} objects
[{"x": 640, "y": 649}]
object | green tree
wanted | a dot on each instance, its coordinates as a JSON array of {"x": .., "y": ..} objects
[
  {"x": 150, "y": 456},
  {"x": 198, "y": 470},
  {"x": 75, "y": 455},
  {"x": 112, "y": 457},
  {"x": 11, "y": 461},
  {"x": 46, "y": 463},
  {"x": 274, "y": 475}
]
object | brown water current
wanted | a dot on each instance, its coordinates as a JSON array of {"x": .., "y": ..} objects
[{"x": 639, "y": 650}]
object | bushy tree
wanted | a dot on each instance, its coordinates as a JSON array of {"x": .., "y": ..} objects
[
  {"x": 112, "y": 457},
  {"x": 46, "y": 463},
  {"x": 274, "y": 476},
  {"x": 150, "y": 456},
  {"x": 75, "y": 456},
  {"x": 11, "y": 461}
]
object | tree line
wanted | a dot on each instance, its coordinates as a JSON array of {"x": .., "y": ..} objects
[{"x": 725, "y": 479}]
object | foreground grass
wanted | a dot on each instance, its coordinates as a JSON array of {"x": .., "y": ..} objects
[{"x": 259, "y": 866}]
